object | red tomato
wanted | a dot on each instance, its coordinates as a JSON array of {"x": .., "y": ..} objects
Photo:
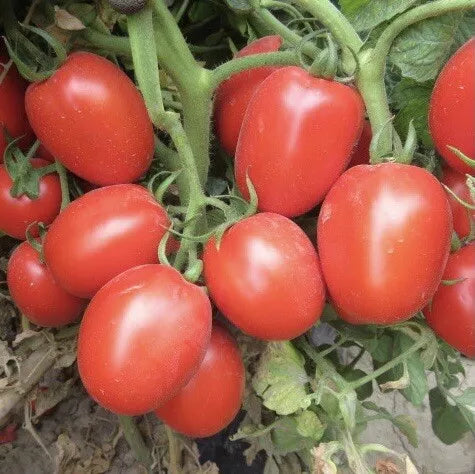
[
  {"x": 293, "y": 143},
  {"x": 233, "y": 95},
  {"x": 451, "y": 115},
  {"x": 90, "y": 116},
  {"x": 383, "y": 238},
  {"x": 12, "y": 106},
  {"x": 457, "y": 183},
  {"x": 451, "y": 314},
  {"x": 142, "y": 338},
  {"x": 16, "y": 214},
  {"x": 212, "y": 398},
  {"x": 360, "y": 154},
  {"x": 36, "y": 293},
  {"x": 265, "y": 277},
  {"x": 102, "y": 234}
]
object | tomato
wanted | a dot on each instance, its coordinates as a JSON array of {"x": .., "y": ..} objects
[
  {"x": 383, "y": 237},
  {"x": 17, "y": 213},
  {"x": 36, "y": 293},
  {"x": 91, "y": 117},
  {"x": 360, "y": 154},
  {"x": 102, "y": 234},
  {"x": 293, "y": 143},
  {"x": 457, "y": 183},
  {"x": 233, "y": 95},
  {"x": 142, "y": 338},
  {"x": 451, "y": 313},
  {"x": 45, "y": 154},
  {"x": 451, "y": 117},
  {"x": 265, "y": 277},
  {"x": 212, "y": 398},
  {"x": 12, "y": 106}
]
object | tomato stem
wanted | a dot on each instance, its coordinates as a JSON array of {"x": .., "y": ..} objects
[
  {"x": 135, "y": 440},
  {"x": 172, "y": 451},
  {"x": 63, "y": 179}
]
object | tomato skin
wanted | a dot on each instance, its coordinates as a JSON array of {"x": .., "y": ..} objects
[
  {"x": 383, "y": 238},
  {"x": 102, "y": 234},
  {"x": 36, "y": 293},
  {"x": 16, "y": 214},
  {"x": 265, "y": 263},
  {"x": 12, "y": 106},
  {"x": 294, "y": 122},
  {"x": 360, "y": 154},
  {"x": 451, "y": 117},
  {"x": 43, "y": 153},
  {"x": 461, "y": 215},
  {"x": 90, "y": 116},
  {"x": 142, "y": 338},
  {"x": 451, "y": 313},
  {"x": 212, "y": 398},
  {"x": 234, "y": 94}
]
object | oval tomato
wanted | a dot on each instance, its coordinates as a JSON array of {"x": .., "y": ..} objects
[
  {"x": 18, "y": 213},
  {"x": 451, "y": 117},
  {"x": 102, "y": 234},
  {"x": 457, "y": 183},
  {"x": 383, "y": 238},
  {"x": 292, "y": 142},
  {"x": 360, "y": 154},
  {"x": 233, "y": 95},
  {"x": 259, "y": 274},
  {"x": 451, "y": 314},
  {"x": 212, "y": 398},
  {"x": 142, "y": 338},
  {"x": 12, "y": 106},
  {"x": 36, "y": 293},
  {"x": 91, "y": 117}
]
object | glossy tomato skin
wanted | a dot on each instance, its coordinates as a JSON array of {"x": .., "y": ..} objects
[
  {"x": 91, "y": 117},
  {"x": 383, "y": 238},
  {"x": 142, "y": 338},
  {"x": 451, "y": 313},
  {"x": 265, "y": 277},
  {"x": 102, "y": 234},
  {"x": 360, "y": 154},
  {"x": 16, "y": 214},
  {"x": 234, "y": 94},
  {"x": 461, "y": 215},
  {"x": 296, "y": 139},
  {"x": 35, "y": 292},
  {"x": 451, "y": 117},
  {"x": 212, "y": 398},
  {"x": 12, "y": 106}
]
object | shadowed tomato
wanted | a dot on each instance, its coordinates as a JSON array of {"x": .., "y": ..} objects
[
  {"x": 383, "y": 239},
  {"x": 296, "y": 139},
  {"x": 265, "y": 277},
  {"x": 91, "y": 117},
  {"x": 212, "y": 398},
  {"x": 457, "y": 183},
  {"x": 451, "y": 116},
  {"x": 45, "y": 154},
  {"x": 142, "y": 338},
  {"x": 451, "y": 314},
  {"x": 233, "y": 95},
  {"x": 360, "y": 154},
  {"x": 17, "y": 213},
  {"x": 35, "y": 292},
  {"x": 102, "y": 234}
]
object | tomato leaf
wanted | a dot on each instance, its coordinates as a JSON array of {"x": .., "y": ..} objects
[
  {"x": 350, "y": 6},
  {"x": 467, "y": 397},
  {"x": 309, "y": 425},
  {"x": 286, "y": 437},
  {"x": 365, "y": 391}
]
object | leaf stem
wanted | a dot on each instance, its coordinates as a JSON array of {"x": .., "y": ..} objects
[{"x": 135, "y": 440}]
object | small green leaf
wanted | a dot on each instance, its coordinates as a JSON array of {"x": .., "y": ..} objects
[
  {"x": 382, "y": 351},
  {"x": 467, "y": 398},
  {"x": 408, "y": 427},
  {"x": 287, "y": 439},
  {"x": 366, "y": 390},
  {"x": 309, "y": 425},
  {"x": 350, "y": 6}
]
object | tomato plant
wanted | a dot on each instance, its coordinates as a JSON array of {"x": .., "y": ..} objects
[
  {"x": 212, "y": 398},
  {"x": 142, "y": 338}
]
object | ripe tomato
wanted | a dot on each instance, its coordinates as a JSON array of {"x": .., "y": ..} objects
[
  {"x": 360, "y": 154},
  {"x": 91, "y": 117},
  {"x": 451, "y": 117},
  {"x": 265, "y": 277},
  {"x": 16, "y": 214},
  {"x": 457, "y": 183},
  {"x": 383, "y": 238},
  {"x": 212, "y": 398},
  {"x": 12, "y": 106},
  {"x": 233, "y": 95},
  {"x": 36, "y": 293},
  {"x": 293, "y": 143},
  {"x": 142, "y": 338},
  {"x": 451, "y": 314},
  {"x": 102, "y": 234}
]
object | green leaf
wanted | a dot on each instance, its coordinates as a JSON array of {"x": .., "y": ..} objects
[
  {"x": 281, "y": 379},
  {"x": 467, "y": 398},
  {"x": 287, "y": 439},
  {"x": 382, "y": 351},
  {"x": 309, "y": 425},
  {"x": 408, "y": 427},
  {"x": 366, "y": 390},
  {"x": 200, "y": 11},
  {"x": 367, "y": 336},
  {"x": 350, "y": 6},
  {"x": 465, "y": 30}
]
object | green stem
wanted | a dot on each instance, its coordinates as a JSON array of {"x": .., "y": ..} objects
[
  {"x": 63, "y": 179},
  {"x": 135, "y": 440},
  {"x": 25, "y": 323},
  {"x": 119, "y": 45},
  {"x": 172, "y": 452}
]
